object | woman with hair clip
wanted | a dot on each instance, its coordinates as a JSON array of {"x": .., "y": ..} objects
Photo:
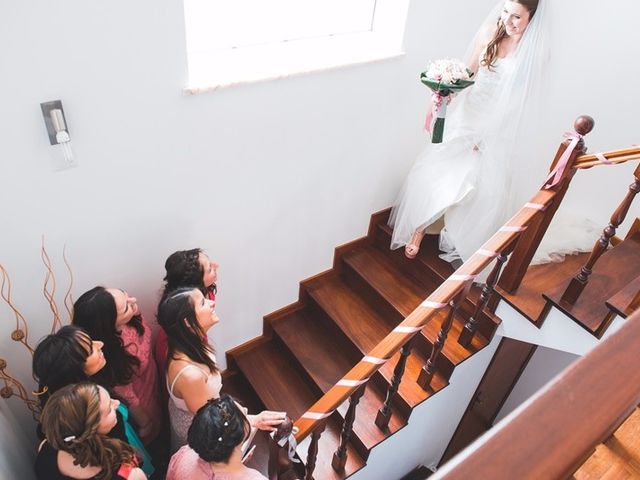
[
  {"x": 111, "y": 315},
  {"x": 76, "y": 422},
  {"x": 70, "y": 356},
  {"x": 215, "y": 438},
  {"x": 185, "y": 268},
  {"x": 193, "y": 376},
  {"x": 467, "y": 187}
]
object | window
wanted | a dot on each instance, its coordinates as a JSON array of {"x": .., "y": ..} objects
[{"x": 237, "y": 41}]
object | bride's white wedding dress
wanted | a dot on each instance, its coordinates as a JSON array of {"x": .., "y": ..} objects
[
  {"x": 456, "y": 178},
  {"x": 468, "y": 180}
]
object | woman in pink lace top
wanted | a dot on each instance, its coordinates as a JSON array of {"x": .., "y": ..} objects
[
  {"x": 111, "y": 316},
  {"x": 215, "y": 439}
]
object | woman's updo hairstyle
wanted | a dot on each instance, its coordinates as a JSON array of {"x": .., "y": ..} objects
[
  {"x": 491, "y": 52},
  {"x": 184, "y": 270},
  {"x": 70, "y": 422},
  {"x": 217, "y": 429}
]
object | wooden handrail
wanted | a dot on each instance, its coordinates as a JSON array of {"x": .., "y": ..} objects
[
  {"x": 553, "y": 434},
  {"x": 417, "y": 319},
  {"x": 614, "y": 157}
]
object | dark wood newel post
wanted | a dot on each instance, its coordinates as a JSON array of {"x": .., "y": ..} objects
[{"x": 530, "y": 239}]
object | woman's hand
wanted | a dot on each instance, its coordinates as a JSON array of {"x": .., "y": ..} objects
[{"x": 267, "y": 420}]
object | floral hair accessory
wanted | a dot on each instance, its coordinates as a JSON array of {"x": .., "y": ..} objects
[{"x": 70, "y": 438}]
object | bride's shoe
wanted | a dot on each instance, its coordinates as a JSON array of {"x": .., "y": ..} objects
[{"x": 412, "y": 248}]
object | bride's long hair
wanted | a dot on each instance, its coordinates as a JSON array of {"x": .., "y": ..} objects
[{"x": 491, "y": 52}]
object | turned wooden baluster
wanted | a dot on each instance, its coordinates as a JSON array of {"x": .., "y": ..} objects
[
  {"x": 384, "y": 414},
  {"x": 577, "y": 284},
  {"x": 470, "y": 328},
  {"x": 340, "y": 455},
  {"x": 427, "y": 372},
  {"x": 312, "y": 453}
]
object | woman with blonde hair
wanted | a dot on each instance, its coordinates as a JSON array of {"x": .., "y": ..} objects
[{"x": 76, "y": 421}]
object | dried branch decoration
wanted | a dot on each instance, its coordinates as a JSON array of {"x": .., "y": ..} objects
[
  {"x": 21, "y": 332},
  {"x": 49, "y": 294},
  {"x": 12, "y": 386}
]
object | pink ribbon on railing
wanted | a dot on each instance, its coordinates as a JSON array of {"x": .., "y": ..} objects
[
  {"x": 602, "y": 159},
  {"x": 436, "y": 103},
  {"x": 556, "y": 174}
]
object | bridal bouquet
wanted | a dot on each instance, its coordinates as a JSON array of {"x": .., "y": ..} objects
[{"x": 443, "y": 77}]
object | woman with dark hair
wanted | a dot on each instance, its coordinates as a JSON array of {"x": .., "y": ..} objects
[
  {"x": 66, "y": 357},
  {"x": 70, "y": 356},
  {"x": 185, "y": 268},
  {"x": 215, "y": 438},
  {"x": 193, "y": 376},
  {"x": 76, "y": 422},
  {"x": 111, "y": 316}
]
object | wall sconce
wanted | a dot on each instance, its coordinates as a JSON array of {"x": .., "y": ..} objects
[{"x": 58, "y": 131}]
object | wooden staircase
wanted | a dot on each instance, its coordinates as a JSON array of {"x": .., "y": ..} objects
[{"x": 340, "y": 315}]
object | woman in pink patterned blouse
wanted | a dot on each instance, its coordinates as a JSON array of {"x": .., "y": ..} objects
[{"x": 111, "y": 316}]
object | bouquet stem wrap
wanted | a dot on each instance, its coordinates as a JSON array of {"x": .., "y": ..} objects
[{"x": 443, "y": 77}]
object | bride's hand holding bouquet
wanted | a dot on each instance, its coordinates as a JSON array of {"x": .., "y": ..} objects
[{"x": 444, "y": 77}]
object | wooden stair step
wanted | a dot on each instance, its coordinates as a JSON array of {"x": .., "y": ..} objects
[
  {"x": 625, "y": 441},
  {"x": 318, "y": 347},
  {"x": 386, "y": 279},
  {"x": 366, "y": 328},
  {"x": 625, "y": 302},
  {"x": 354, "y": 316},
  {"x": 366, "y": 432},
  {"x": 404, "y": 296},
  {"x": 328, "y": 444},
  {"x": 615, "y": 269},
  {"x": 528, "y": 300},
  {"x": 430, "y": 271},
  {"x": 604, "y": 464},
  {"x": 429, "y": 254},
  {"x": 235, "y": 384},
  {"x": 409, "y": 390},
  {"x": 276, "y": 379}
]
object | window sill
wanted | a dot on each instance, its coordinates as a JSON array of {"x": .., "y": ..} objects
[{"x": 210, "y": 71}]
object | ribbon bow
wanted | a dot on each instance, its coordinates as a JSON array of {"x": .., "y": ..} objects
[
  {"x": 556, "y": 174},
  {"x": 292, "y": 446}
]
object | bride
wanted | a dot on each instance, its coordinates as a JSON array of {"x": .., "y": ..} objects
[{"x": 467, "y": 181}]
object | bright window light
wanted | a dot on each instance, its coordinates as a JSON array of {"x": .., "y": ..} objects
[{"x": 239, "y": 41}]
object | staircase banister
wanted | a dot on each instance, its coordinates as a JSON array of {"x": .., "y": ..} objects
[
  {"x": 416, "y": 320},
  {"x": 614, "y": 157},
  {"x": 552, "y": 433}
]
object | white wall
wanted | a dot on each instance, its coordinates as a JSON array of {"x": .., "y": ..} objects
[{"x": 268, "y": 178}]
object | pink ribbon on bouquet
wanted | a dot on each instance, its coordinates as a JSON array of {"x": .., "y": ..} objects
[
  {"x": 436, "y": 103},
  {"x": 556, "y": 174}
]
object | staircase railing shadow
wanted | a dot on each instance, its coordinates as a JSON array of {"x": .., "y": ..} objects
[{"x": 519, "y": 238}]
